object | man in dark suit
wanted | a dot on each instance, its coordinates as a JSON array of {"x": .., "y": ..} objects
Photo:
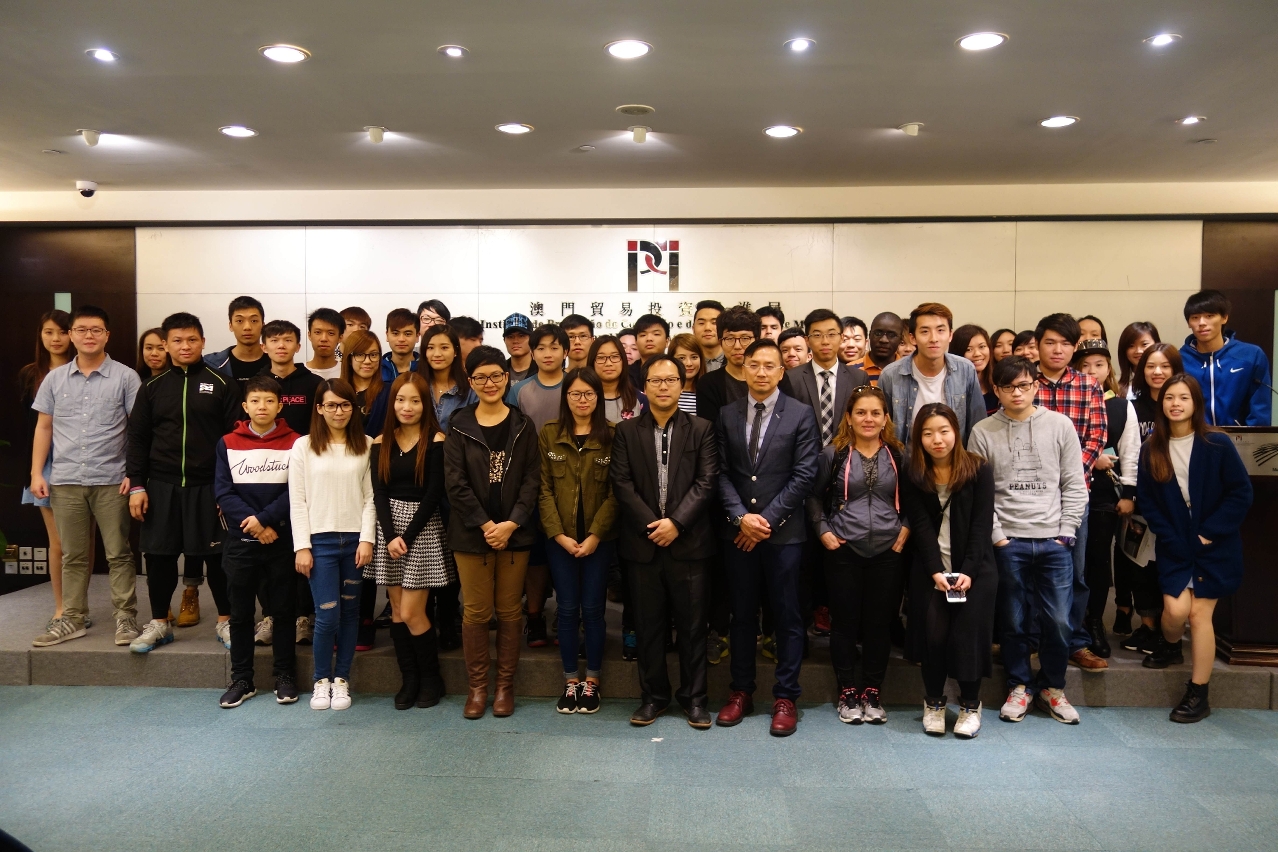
[
  {"x": 664, "y": 470},
  {"x": 825, "y": 382},
  {"x": 769, "y": 443}
]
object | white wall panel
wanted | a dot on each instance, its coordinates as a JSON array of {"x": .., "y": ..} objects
[
  {"x": 917, "y": 257},
  {"x": 419, "y": 263},
  {"x": 1116, "y": 308},
  {"x": 544, "y": 260},
  {"x": 231, "y": 261},
  {"x": 211, "y": 309},
  {"x": 752, "y": 259},
  {"x": 1109, "y": 255}
]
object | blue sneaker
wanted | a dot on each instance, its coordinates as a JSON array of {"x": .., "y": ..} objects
[
  {"x": 154, "y": 634},
  {"x": 629, "y": 646}
]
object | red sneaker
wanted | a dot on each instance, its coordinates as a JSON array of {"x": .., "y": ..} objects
[{"x": 821, "y": 621}]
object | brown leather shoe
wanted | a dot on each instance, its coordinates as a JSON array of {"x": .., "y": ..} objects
[
  {"x": 785, "y": 718},
  {"x": 739, "y": 705},
  {"x": 509, "y": 636},
  {"x": 189, "y": 613},
  {"x": 475, "y": 652},
  {"x": 1087, "y": 661}
]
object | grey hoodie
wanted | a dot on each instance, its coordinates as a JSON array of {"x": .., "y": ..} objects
[{"x": 1039, "y": 485}]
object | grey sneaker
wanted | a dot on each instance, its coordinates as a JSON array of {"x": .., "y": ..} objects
[
  {"x": 871, "y": 707},
  {"x": 59, "y": 630},
  {"x": 126, "y": 630},
  {"x": 1058, "y": 706},
  {"x": 1016, "y": 706},
  {"x": 850, "y": 706},
  {"x": 265, "y": 632},
  {"x": 154, "y": 634},
  {"x": 934, "y": 717},
  {"x": 305, "y": 631}
]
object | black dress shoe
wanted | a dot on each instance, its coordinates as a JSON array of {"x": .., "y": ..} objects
[
  {"x": 1098, "y": 641},
  {"x": 1122, "y": 622},
  {"x": 699, "y": 717},
  {"x": 646, "y": 714},
  {"x": 1165, "y": 654},
  {"x": 1193, "y": 707}
]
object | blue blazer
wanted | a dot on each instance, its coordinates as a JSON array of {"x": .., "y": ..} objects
[
  {"x": 1220, "y": 493},
  {"x": 778, "y": 484}
]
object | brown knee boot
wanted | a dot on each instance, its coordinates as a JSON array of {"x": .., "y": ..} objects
[
  {"x": 475, "y": 650},
  {"x": 509, "y": 636}
]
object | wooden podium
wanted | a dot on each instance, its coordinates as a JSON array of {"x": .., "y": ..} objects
[{"x": 1247, "y": 622}]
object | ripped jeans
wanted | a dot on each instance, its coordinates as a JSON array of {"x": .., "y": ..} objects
[{"x": 335, "y": 586}]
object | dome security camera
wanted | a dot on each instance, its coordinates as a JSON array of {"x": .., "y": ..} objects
[{"x": 86, "y": 187}]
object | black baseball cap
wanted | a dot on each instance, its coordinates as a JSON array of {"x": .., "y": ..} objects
[{"x": 516, "y": 324}]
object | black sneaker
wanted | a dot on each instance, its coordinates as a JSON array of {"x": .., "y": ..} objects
[
  {"x": 1122, "y": 622},
  {"x": 588, "y": 697},
  {"x": 383, "y": 621},
  {"x": 1142, "y": 640},
  {"x": 237, "y": 693},
  {"x": 285, "y": 690},
  {"x": 536, "y": 631},
  {"x": 568, "y": 703},
  {"x": 1164, "y": 654}
]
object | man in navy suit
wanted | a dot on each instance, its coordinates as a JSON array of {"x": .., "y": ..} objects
[{"x": 769, "y": 445}]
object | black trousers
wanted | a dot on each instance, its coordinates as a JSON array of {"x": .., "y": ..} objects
[
  {"x": 661, "y": 589},
  {"x": 719, "y": 602},
  {"x": 246, "y": 563},
  {"x": 865, "y": 597},
  {"x": 1102, "y": 527},
  {"x": 162, "y": 582}
]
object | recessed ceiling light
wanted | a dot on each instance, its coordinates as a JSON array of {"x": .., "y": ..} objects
[
  {"x": 635, "y": 109},
  {"x": 982, "y": 41},
  {"x": 238, "y": 131},
  {"x": 101, "y": 54},
  {"x": 1059, "y": 121},
  {"x": 289, "y": 54},
  {"x": 628, "y": 48},
  {"x": 1192, "y": 119},
  {"x": 452, "y": 51},
  {"x": 800, "y": 45},
  {"x": 1162, "y": 39},
  {"x": 782, "y": 131},
  {"x": 515, "y": 129}
]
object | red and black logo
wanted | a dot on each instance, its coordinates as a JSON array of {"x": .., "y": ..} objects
[{"x": 653, "y": 254}]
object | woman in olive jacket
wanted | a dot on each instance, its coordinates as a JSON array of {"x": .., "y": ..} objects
[
  {"x": 493, "y": 476},
  {"x": 578, "y": 513}
]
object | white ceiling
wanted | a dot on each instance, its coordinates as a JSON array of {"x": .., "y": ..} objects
[{"x": 717, "y": 76}]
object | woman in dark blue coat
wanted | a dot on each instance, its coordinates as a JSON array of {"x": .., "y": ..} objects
[{"x": 1194, "y": 491}]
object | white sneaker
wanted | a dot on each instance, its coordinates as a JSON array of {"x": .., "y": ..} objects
[
  {"x": 265, "y": 632},
  {"x": 1056, "y": 704},
  {"x": 850, "y": 707},
  {"x": 341, "y": 694},
  {"x": 1017, "y": 704},
  {"x": 321, "y": 699},
  {"x": 934, "y": 718},
  {"x": 969, "y": 722},
  {"x": 223, "y": 631},
  {"x": 154, "y": 634}
]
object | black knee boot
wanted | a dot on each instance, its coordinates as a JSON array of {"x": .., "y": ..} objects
[
  {"x": 426, "y": 652},
  {"x": 1193, "y": 707},
  {"x": 408, "y": 667}
]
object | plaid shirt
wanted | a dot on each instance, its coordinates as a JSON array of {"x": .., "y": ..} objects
[{"x": 1081, "y": 399}]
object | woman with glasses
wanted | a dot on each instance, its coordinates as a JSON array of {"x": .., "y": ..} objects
[
  {"x": 621, "y": 401},
  {"x": 361, "y": 368},
  {"x": 334, "y": 523},
  {"x": 493, "y": 474},
  {"x": 684, "y": 347},
  {"x": 441, "y": 366},
  {"x": 577, "y": 513}
]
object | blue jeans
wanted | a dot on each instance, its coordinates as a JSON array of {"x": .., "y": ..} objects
[
  {"x": 1035, "y": 578},
  {"x": 335, "y": 586},
  {"x": 777, "y": 567},
  {"x": 1079, "y": 638},
  {"x": 581, "y": 590}
]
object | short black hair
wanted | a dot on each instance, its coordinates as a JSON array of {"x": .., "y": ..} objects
[
  {"x": 436, "y": 306},
  {"x": 1096, "y": 320},
  {"x": 709, "y": 303},
  {"x": 577, "y": 321},
  {"x": 181, "y": 319},
  {"x": 763, "y": 343},
  {"x": 647, "y": 321},
  {"x": 240, "y": 303},
  {"x": 467, "y": 327},
  {"x": 1063, "y": 324},
  {"x": 485, "y": 356},
  {"x": 262, "y": 384},
  {"x": 400, "y": 317},
  {"x": 548, "y": 330},
  {"x": 327, "y": 315},
  {"x": 790, "y": 334},
  {"x": 357, "y": 314},
  {"x": 771, "y": 311},
  {"x": 1021, "y": 338},
  {"x": 664, "y": 358},
  {"x": 855, "y": 322},
  {"x": 1011, "y": 368},
  {"x": 1207, "y": 302},
  {"x": 820, "y": 315},
  {"x": 739, "y": 318},
  {"x": 91, "y": 311},
  {"x": 279, "y": 328},
  {"x": 626, "y": 332}
]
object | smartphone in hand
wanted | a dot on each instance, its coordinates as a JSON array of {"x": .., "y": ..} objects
[{"x": 954, "y": 596}]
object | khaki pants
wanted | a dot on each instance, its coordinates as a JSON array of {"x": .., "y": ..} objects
[
  {"x": 75, "y": 507},
  {"x": 493, "y": 580}
]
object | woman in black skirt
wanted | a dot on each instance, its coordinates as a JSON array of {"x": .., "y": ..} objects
[
  {"x": 410, "y": 558},
  {"x": 953, "y": 519}
]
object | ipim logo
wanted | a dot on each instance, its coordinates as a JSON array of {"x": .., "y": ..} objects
[
  {"x": 653, "y": 254},
  {"x": 1264, "y": 454}
]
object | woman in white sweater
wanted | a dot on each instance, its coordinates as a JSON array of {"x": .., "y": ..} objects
[{"x": 334, "y": 526}]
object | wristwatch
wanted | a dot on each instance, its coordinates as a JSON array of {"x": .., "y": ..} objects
[
  {"x": 736, "y": 520},
  {"x": 1067, "y": 540}
]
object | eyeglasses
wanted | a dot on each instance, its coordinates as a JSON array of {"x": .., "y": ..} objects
[
  {"x": 607, "y": 359},
  {"x": 737, "y": 339},
  {"x": 832, "y": 336},
  {"x": 884, "y": 333},
  {"x": 491, "y": 379},
  {"x": 672, "y": 381},
  {"x": 581, "y": 396},
  {"x": 580, "y": 338},
  {"x": 365, "y": 356},
  {"x": 334, "y": 407},
  {"x": 90, "y": 331},
  {"x": 1022, "y": 387}
]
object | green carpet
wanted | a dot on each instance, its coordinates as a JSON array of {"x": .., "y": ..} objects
[{"x": 104, "y": 768}]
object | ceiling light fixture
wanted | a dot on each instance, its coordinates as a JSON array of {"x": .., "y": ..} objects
[
  {"x": 1204, "y": 141},
  {"x": 238, "y": 131},
  {"x": 101, "y": 54},
  {"x": 90, "y": 136},
  {"x": 583, "y": 149},
  {"x": 628, "y": 48},
  {"x": 1162, "y": 39},
  {"x": 1059, "y": 121},
  {"x": 982, "y": 41},
  {"x": 910, "y": 128},
  {"x": 515, "y": 129},
  {"x": 376, "y": 133},
  {"x": 452, "y": 51},
  {"x": 639, "y": 133},
  {"x": 289, "y": 54},
  {"x": 635, "y": 109},
  {"x": 800, "y": 45},
  {"x": 1192, "y": 119},
  {"x": 782, "y": 131},
  {"x": 52, "y": 151}
]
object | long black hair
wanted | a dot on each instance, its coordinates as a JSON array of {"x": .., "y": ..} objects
[
  {"x": 457, "y": 371},
  {"x": 598, "y": 422}
]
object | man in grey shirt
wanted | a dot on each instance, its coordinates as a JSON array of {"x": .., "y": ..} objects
[{"x": 84, "y": 409}]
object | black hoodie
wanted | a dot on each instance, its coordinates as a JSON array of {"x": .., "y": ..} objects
[{"x": 297, "y": 397}]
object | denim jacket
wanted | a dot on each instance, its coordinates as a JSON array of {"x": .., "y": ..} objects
[
  {"x": 962, "y": 393},
  {"x": 451, "y": 400}
]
